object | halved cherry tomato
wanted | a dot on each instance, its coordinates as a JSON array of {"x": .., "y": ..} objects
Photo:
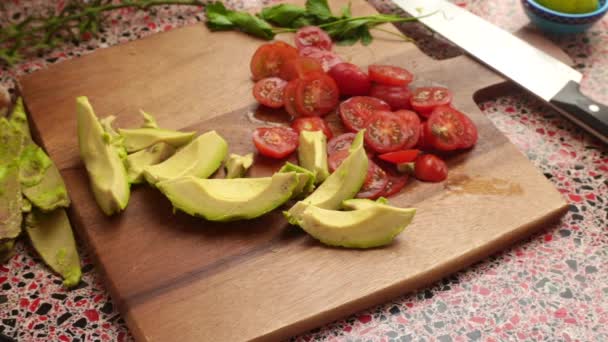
[
  {"x": 430, "y": 168},
  {"x": 340, "y": 143},
  {"x": 269, "y": 91},
  {"x": 356, "y": 111},
  {"x": 350, "y": 79},
  {"x": 289, "y": 97},
  {"x": 317, "y": 94},
  {"x": 389, "y": 75},
  {"x": 413, "y": 124},
  {"x": 386, "y": 132},
  {"x": 312, "y": 36},
  {"x": 399, "y": 157},
  {"x": 275, "y": 142},
  {"x": 396, "y": 97},
  {"x": 327, "y": 58},
  {"x": 448, "y": 129},
  {"x": 300, "y": 66},
  {"x": 313, "y": 123},
  {"x": 396, "y": 182},
  {"x": 375, "y": 182},
  {"x": 335, "y": 159},
  {"x": 425, "y": 99},
  {"x": 423, "y": 143},
  {"x": 270, "y": 59}
]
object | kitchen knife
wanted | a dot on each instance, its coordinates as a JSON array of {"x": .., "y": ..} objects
[{"x": 541, "y": 74}]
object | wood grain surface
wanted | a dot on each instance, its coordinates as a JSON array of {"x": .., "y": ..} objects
[{"x": 176, "y": 277}]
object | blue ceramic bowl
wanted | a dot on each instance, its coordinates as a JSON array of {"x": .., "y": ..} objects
[{"x": 558, "y": 22}]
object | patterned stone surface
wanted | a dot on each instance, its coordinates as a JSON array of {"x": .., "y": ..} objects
[{"x": 552, "y": 287}]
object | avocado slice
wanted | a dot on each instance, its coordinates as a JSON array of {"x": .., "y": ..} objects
[
  {"x": 149, "y": 120},
  {"x": 18, "y": 118},
  {"x": 306, "y": 179},
  {"x": 237, "y": 166},
  {"x": 52, "y": 237},
  {"x": 200, "y": 158},
  {"x": 154, "y": 154},
  {"x": 107, "y": 173},
  {"x": 373, "y": 226},
  {"x": 312, "y": 154},
  {"x": 7, "y": 250},
  {"x": 229, "y": 199},
  {"x": 139, "y": 138},
  {"x": 362, "y": 203},
  {"x": 342, "y": 184},
  {"x": 114, "y": 139},
  {"x": 11, "y": 142}
]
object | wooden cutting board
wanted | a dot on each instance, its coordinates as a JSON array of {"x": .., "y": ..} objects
[{"x": 176, "y": 277}]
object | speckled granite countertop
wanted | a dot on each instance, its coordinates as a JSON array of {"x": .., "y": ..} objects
[{"x": 551, "y": 287}]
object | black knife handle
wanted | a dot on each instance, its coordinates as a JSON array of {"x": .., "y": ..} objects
[{"x": 589, "y": 114}]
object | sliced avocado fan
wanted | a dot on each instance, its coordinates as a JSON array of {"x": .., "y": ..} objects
[
  {"x": 136, "y": 162},
  {"x": 139, "y": 138}
]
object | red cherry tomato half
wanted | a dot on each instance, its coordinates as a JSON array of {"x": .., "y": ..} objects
[
  {"x": 356, "y": 111},
  {"x": 300, "y": 66},
  {"x": 289, "y": 97},
  {"x": 340, "y": 143},
  {"x": 335, "y": 159},
  {"x": 312, "y": 36},
  {"x": 386, "y": 132},
  {"x": 275, "y": 142},
  {"x": 400, "y": 157},
  {"x": 269, "y": 91},
  {"x": 317, "y": 94},
  {"x": 327, "y": 58},
  {"x": 448, "y": 129},
  {"x": 430, "y": 168},
  {"x": 375, "y": 182},
  {"x": 270, "y": 59},
  {"x": 396, "y": 182},
  {"x": 423, "y": 143},
  {"x": 350, "y": 79},
  {"x": 396, "y": 97},
  {"x": 313, "y": 123},
  {"x": 413, "y": 124},
  {"x": 425, "y": 99},
  {"x": 389, "y": 75}
]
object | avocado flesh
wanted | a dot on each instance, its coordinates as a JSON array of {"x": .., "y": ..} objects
[
  {"x": 149, "y": 120},
  {"x": 237, "y": 166},
  {"x": 7, "y": 250},
  {"x": 52, "y": 237},
  {"x": 344, "y": 183},
  {"x": 312, "y": 154},
  {"x": 136, "y": 139},
  {"x": 229, "y": 199},
  {"x": 306, "y": 179},
  {"x": 107, "y": 174},
  {"x": 374, "y": 226},
  {"x": 362, "y": 203},
  {"x": 200, "y": 158},
  {"x": 11, "y": 142},
  {"x": 136, "y": 162},
  {"x": 113, "y": 138}
]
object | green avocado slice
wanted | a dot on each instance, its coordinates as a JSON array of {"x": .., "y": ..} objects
[
  {"x": 200, "y": 158},
  {"x": 11, "y": 142},
  {"x": 149, "y": 120},
  {"x": 229, "y": 199},
  {"x": 362, "y": 203},
  {"x": 312, "y": 154},
  {"x": 136, "y": 162},
  {"x": 306, "y": 179},
  {"x": 102, "y": 159},
  {"x": 237, "y": 166},
  {"x": 373, "y": 226},
  {"x": 139, "y": 138},
  {"x": 52, "y": 237}
]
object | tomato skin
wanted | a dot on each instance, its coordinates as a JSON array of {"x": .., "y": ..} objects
[
  {"x": 399, "y": 157},
  {"x": 289, "y": 97},
  {"x": 351, "y": 80},
  {"x": 448, "y": 129},
  {"x": 269, "y": 91},
  {"x": 423, "y": 143},
  {"x": 470, "y": 138},
  {"x": 340, "y": 143},
  {"x": 327, "y": 58},
  {"x": 425, "y": 99},
  {"x": 312, "y": 123},
  {"x": 389, "y": 75},
  {"x": 396, "y": 182},
  {"x": 269, "y": 60},
  {"x": 397, "y": 97},
  {"x": 386, "y": 132},
  {"x": 430, "y": 168},
  {"x": 275, "y": 142},
  {"x": 375, "y": 182},
  {"x": 316, "y": 95},
  {"x": 413, "y": 125},
  {"x": 335, "y": 159},
  {"x": 355, "y": 111},
  {"x": 313, "y": 36},
  {"x": 299, "y": 67}
]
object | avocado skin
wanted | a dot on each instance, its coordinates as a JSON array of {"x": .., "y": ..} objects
[{"x": 7, "y": 250}]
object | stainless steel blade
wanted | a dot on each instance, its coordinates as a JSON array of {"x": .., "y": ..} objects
[{"x": 526, "y": 65}]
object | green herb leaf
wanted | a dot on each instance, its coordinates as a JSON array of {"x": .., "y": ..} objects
[
  {"x": 319, "y": 8},
  {"x": 221, "y": 18},
  {"x": 346, "y": 11},
  {"x": 348, "y": 41},
  {"x": 302, "y": 21},
  {"x": 217, "y": 17},
  {"x": 366, "y": 36},
  {"x": 283, "y": 15}
]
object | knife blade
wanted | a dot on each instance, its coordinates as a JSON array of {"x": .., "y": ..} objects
[{"x": 546, "y": 77}]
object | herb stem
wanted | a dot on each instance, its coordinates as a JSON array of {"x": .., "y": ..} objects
[{"x": 400, "y": 35}]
